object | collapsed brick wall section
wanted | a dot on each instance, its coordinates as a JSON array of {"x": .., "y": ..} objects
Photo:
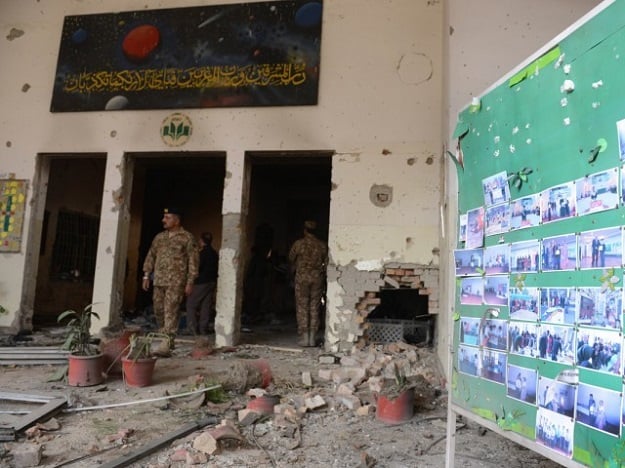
[{"x": 361, "y": 294}]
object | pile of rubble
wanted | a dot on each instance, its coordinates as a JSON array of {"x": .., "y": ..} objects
[
  {"x": 342, "y": 385},
  {"x": 260, "y": 421}
]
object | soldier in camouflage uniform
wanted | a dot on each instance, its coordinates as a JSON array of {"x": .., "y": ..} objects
[
  {"x": 173, "y": 258},
  {"x": 308, "y": 257}
]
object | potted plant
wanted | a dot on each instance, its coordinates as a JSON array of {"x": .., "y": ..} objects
[
  {"x": 138, "y": 364},
  {"x": 395, "y": 402},
  {"x": 84, "y": 360}
]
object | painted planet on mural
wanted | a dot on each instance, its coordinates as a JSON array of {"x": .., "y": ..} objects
[
  {"x": 308, "y": 15},
  {"x": 79, "y": 36},
  {"x": 118, "y": 102},
  {"x": 140, "y": 42}
]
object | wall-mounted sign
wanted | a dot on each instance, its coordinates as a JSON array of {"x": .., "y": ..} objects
[
  {"x": 176, "y": 129},
  {"x": 12, "y": 205},
  {"x": 236, "y": 55}
]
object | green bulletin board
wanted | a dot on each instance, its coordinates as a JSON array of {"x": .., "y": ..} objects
[{"x": 538, "y": 322}]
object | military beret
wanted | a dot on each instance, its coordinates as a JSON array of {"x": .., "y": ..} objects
[{"x": 172, "y": 210}]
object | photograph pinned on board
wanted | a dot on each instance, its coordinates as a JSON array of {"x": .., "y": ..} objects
[
  {"x": 525, "y": 212},
  {"x": 597, "y": 192},
  {"x": 556, "y": 396},
  {"x": 497, "y": 259},
  {"x": 494, "y": 366},
  {"x": 599, "y": 350},
  {"x": 496, "y": 290},
  {"x": 470, "y": 331},
  {"x": 556, "y": 343},
  {"x": 521, "y": 384},
  {"x": 559, "y": 253},
  {"x": 620, "y": 130},
  {"x": 497, "y": 219},
  {"x": 462, "y": 227},
  {"x": 469, "y": 262},
  {"x": 599, "y": 308},
  {"x": 475, "y": 228},
  {"x": 494, "y": 334},
  {"x": 599, "y": 408},
  {"x": 524, "y": 303},
  {"x": 523, "y": 338},
  {"x": 525, "y": 256},
  {"x": 496, "y": 189},
  {"x": 601, "y": 248},
  {"x": 469, "y": 361},
  {"x": 555, "y": 431},
  {"x": 623, "y": 185},
  {"x": 558, "y": 305},
  {"x": 472, "y": 290},
  {"x": 558, "y": 203}
]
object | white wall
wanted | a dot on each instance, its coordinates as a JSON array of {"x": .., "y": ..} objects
[{"x": 380, "y": 89}]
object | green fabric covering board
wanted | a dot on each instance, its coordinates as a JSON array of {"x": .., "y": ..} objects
[{"x": 538, "y": 319}]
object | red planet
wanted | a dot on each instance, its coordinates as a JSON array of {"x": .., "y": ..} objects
[{"x": 140, "y": 42}]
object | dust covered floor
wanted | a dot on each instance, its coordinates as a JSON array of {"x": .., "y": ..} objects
[{"x": 316, "y": 425}]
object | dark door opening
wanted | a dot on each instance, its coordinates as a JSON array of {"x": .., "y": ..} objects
[
  {"x": 285, "y": 189},
  {"x": 69, "y": 236},
  {"x": 193, "y": 182}
]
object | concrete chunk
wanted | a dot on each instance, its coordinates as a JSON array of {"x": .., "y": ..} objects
[
  {"x": 307, "y": 379},
  {"x": 206, "y": 443},
  {"x": 248, "y": 417},
  {"x": 315, "y": 402},
  {"x": 27, "y": 455}
]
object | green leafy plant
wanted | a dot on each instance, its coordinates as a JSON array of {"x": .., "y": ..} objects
[
  {"x": 141, "y": 345},
  {"x": 78, "y": 338},
  {"x": 517, "y": 179}
]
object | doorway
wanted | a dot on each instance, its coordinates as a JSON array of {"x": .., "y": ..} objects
[
  {"x": 283, "y": 190},
  {"x": 192, "y": 182},
  {"x": 70, "y": 189}
]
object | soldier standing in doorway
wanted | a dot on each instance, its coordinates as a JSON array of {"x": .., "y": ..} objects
[
  {"x": 308, "y": 257},
  {"x": 173, "y": 259}
]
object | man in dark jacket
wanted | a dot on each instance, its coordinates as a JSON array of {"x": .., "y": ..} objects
[{"x": 200, "y": 302}]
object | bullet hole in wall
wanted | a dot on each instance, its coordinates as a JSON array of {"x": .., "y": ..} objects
[
  {"x": 334, "y": 186},
  {"x": 430, "y": 160},
  {"x": 381, "y": 195},
  {"x": 113, "y": 133},
  {"x": 411, "y": 161},
  {"x": 25, "y": 87},
  {"x": 9, "y": 144},
  {"x": 386, "y": 152}
]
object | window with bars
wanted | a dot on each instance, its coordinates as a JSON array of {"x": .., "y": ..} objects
[{"x": 75, "y": 246}]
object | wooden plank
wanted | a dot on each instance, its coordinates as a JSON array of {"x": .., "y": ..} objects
[
  {"x": 26, "y": 397},
  {"x": 158, "y": 443},
  {"x": 32, "y": 362},
  {"x": 40, "y": 413}
]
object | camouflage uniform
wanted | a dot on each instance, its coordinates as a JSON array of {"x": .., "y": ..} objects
[
  {"x": 174, "y": 259},
  {"x": 308, "y": 256}
]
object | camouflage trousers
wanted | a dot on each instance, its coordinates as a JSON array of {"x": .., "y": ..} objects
[
  {"x": 167, "y": 300},
  {"x": 308, "y": 292}
]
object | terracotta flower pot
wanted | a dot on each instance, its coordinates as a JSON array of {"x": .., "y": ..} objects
[
  {"x": 113, "y": 349},
  {"x": 138, "y": 372},
  {"x": 263, "y": 404},
  {"x": 395, "y": 410},
  {"x": 262, "y": 365},
  {"x": 84, "y": 371}
]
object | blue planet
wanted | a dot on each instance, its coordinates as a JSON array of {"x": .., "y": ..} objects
[
  {"x": 308, "y": 15},
  {"x": 79, "y": 36}
]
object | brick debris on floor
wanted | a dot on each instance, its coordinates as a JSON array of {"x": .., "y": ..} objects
[{"x": 265, "y": 423}]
